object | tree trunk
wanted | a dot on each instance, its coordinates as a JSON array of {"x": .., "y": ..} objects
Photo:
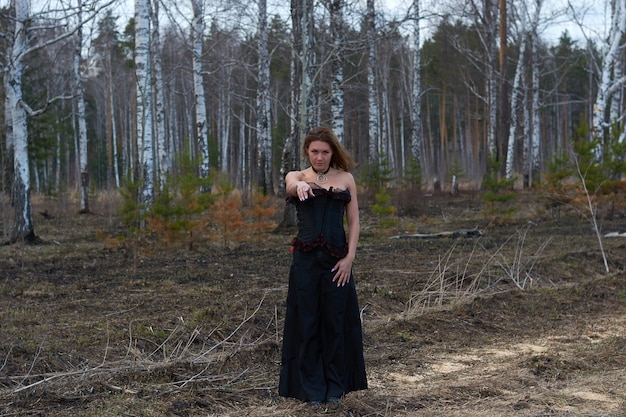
[
  {"x": 202, "y": 135},
  {"x": 310, "y": 111},
  {"x": 291, "y": 151},
  {"x": 82, "y": 124},
  {"x": 487, "y": 24},
  {"x": 372, "y": 86},
  {"x": 143, "y": 70},
  {"x": 113, "y": 133},
  {"x": 263, "y": 105},
  {"x": 416, "y": 91},
  {"x": 337, "y": 93},
  {"x": 510, "y": 154},
  {"x": 535, "y": 154},
  {"x": 503, "y": 83},
  {"x": 23, "y": 230},
  {"x": 162, "y": 149},
  {"x": 8, "y": 171},
  {"x": 612, "y": 50}
]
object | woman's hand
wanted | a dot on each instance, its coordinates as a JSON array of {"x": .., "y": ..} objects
[
  {"x": 304, "y": 190},
  {"x": 343, "y": 271}
]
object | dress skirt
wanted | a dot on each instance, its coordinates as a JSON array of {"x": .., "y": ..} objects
[{"x": 322, "y": 354}]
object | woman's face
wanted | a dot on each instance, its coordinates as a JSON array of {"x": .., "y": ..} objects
[{"x": 320, "y": 154}]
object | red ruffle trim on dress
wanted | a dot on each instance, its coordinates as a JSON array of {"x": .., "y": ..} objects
[{"x": 319, "y": 243}]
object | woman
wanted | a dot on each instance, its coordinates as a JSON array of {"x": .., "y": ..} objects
[{"x": 322, "y": 357}]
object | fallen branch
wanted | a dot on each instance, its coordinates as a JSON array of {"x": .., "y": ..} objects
[
  {"x": 175, "y": 350},
  {"x": 451, "y": 234}
]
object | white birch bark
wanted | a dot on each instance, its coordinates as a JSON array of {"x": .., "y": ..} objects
[
  {"x": 80, "y": 107},
  {"x": 76, "y": 141},
  {"x": 243, "y": 152},
  {"x": 616, "y": 97},
  {"x": 372, "y": 85},
  {"x": 531, "y": 156},
  {"x": 23, "y": 229},
  {"x": 310, "y": 111},
  {"x": 202, "y": 133},
  {"x": 515, "y": 94},
  {"x": 535, "y": 154},
  {"x": 612, "y": 49},
  {"x": 144, "y": 99},
  {"x": 263, "y": 105},
  {"x": 162, "y": 150},
  {"x": 129, "y": 142},
  {"x": 492, "y": 93},
  {"x": 527, "y": 133},
  {"x": 7, "y": 173},
  {"x": 224, "y": 117},
  {"x": 385, "y": 128},
  {"x": 111, "y": 109},
  {"x": 337, "y": 93},
  {"x": 416, "y": 91}
]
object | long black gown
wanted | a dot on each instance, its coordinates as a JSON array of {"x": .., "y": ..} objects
[{"x": 322, "y": 354}]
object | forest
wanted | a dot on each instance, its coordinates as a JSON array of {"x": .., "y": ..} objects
[
  {"x": 146, "y": 236},
  {"x": 431, "y": 96}
]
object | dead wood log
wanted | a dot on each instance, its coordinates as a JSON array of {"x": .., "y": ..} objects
[
  {"x": 615, "y": 234},
  {"x": 449, "y": 234}
]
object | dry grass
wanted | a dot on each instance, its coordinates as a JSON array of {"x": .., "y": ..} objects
[{"x": 521, "y": 321}]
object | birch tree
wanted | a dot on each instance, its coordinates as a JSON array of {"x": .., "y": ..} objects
[
  {"x": 372, "y": 85},
  {"x": 337, "y": 94},
  {"x": 532, "y": 140},
  {"x": 162, "y": 149},
  {"x": 23, "y": 43},
  {"x": 535, "y": 139},
  {"x": 416, "y": 90},
  {"x": 202, "y": 132},
  {"x": 80, "y": 105},
  {"x": 7, "y": 173},
  {"x": 515, "y": 95},
  {"x": 143, "y": 71},
  {"x": 609, "y": 85},
  {"x": 263, "y": 104},
  {"x": 310, "y": 110},
  {"x": 490, "y": 22},
  {"x": 20, "y": 193}
]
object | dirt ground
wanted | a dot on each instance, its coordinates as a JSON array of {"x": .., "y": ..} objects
[{"x": 516, "y": 319}]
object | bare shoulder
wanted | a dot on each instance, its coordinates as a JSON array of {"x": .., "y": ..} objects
[
  {"x": 347, "y": 179},
  {"x": 294, "y": 176}
]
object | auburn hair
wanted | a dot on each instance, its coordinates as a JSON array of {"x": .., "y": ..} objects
[{"x": 341, "y": 159}]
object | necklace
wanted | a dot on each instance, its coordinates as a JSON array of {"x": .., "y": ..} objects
[{"x": 321, "y": 176}]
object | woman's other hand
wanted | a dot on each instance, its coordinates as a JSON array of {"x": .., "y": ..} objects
[{"x": 343, "y": 271}]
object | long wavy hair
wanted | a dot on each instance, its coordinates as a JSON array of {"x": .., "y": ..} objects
[{"x": 341, "y": 159}]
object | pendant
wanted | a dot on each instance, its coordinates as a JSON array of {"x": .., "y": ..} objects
[{"x": 322, "y": 178}]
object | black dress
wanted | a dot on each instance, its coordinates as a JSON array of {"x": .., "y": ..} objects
[{"x": 322, "y": 354}]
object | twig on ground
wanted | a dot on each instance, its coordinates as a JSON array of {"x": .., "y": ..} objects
[
  {"x": 450, "y": 282},
  {"x": 179, "y": 353},
  {"x": 593, "y": 213}
]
